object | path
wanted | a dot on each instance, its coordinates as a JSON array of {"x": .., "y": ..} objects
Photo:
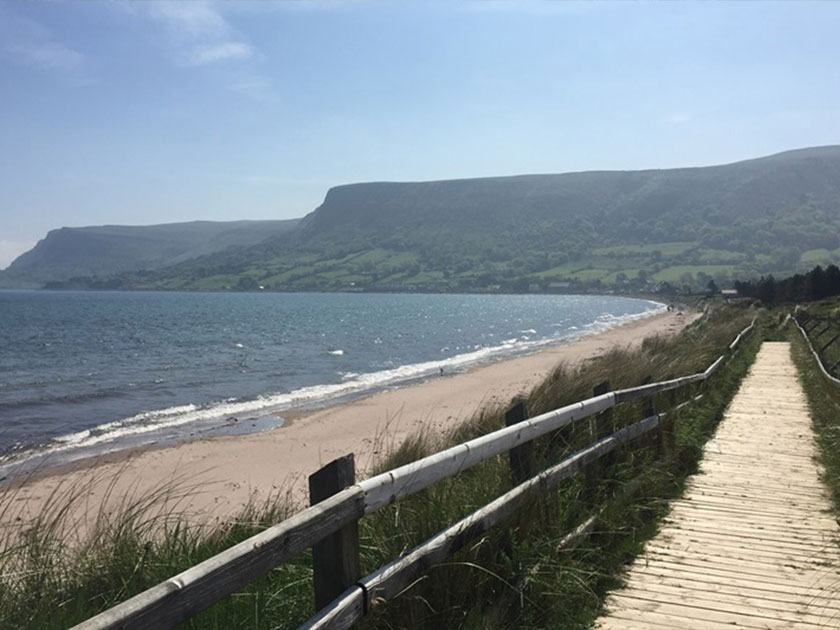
[{"x": 753, "y": 542}]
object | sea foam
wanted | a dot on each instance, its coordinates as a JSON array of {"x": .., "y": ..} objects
[{"x": 151, "y": 426}]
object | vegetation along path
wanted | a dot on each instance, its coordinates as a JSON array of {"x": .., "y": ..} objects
[{"x": 753, "y": 542}]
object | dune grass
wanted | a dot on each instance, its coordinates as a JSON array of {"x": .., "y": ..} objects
[
  {"x": 824, "y": 405},
  {"x": 522, "y": 574}
]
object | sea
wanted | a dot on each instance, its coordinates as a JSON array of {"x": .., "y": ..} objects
[{"x": 85, "y": 373}]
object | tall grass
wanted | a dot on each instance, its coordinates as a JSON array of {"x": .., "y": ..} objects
[
  {"x": 522, "y": 574},
  {"x": 824, "y": 404}
]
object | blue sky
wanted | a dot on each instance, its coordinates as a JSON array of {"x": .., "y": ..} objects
[{"x": 145, "y": 112}]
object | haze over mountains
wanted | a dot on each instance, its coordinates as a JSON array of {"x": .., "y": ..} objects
[
  {"x": 587, "y": 230},
  {"x": 110, "y": 249}
]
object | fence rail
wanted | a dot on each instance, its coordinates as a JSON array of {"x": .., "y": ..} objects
[
  {"x": 182, "y": 596},
  {"x": 804, "y": 321}
]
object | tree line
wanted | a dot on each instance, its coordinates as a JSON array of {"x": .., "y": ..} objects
[{"x": 816, "y": 284}]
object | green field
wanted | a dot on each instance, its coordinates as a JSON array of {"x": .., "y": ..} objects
[
  {"x": 666, "y": 249},
  {"x": 676, "y": 272}
]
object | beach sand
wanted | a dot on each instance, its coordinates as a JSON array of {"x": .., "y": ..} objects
[{"x": 218, "y": 475}]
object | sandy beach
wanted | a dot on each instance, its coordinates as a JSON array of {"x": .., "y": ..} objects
[{"x": 219, "y": 475}]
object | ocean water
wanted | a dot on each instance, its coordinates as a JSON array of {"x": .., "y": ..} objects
[{"x": 83, "y": 373}]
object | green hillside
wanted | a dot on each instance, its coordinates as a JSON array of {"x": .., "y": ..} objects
[
  {"x": 628, "y": 229},
  {"x": 109, "y": 249}
]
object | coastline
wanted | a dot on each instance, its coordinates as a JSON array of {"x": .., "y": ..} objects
[{"x": 214, "y": 477}]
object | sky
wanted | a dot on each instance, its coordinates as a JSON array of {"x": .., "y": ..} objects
[{"x": 115, "y": 112}]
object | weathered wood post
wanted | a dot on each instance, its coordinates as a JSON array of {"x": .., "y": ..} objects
[
  {"x": 522, "y": 464},
  {"x": 668, "y": 426},
  {"x": 335, "y": 560},
  {"x": 598, "y": 426},
  {"x": 649, "y": 409},
  {"x": 605, "y": 422}
]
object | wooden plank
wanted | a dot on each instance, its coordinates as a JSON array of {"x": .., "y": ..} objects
[
  {"x": 389, "y": 486},
  {"x": 648, "y": 389},
  {"x": 341, "y": 613},
  {"x": 759, "y": 536},
  {"x": 754, "y": 543},
  {"x": 826, "y": 372},
  {"x": 698, "y": 578},
  {"x": 688, "y": 583},
  {"x": 769, "y": 554},
  {"x": 521, "y": 458},
  {"x": 195, "y": 589},
  {"x": 746, "y": 563},
  {"x": 692, "y": 616},
  {"x": 391, "y": 579},
  {"x": 335, "y": 559},
  {"x": 818, "y": 585},
  {"x": 713, "y": 367},
  {"x": 749, "y": 607}
]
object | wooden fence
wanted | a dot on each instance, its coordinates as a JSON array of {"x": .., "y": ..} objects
[
  {"x": 814, "y": 329},
  {"x": 329, "y": 527}
]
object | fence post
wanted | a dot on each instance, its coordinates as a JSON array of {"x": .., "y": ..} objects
[
  {"x": 521, "y": 458},
  {"x": 649, "y": 409},
  {"x": 335, "y": 559},
  {"x": 667, "y": 427},
  {"x": 605, "y": 422},
  {"x": 597, "y": 426}
]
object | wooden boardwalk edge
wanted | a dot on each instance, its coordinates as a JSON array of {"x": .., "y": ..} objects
[{"x": 753, "y": 543}]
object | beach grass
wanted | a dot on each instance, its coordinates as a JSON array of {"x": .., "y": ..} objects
[
  {"x": 525, "y": 573},
  {"x": 823, "y": 403}
]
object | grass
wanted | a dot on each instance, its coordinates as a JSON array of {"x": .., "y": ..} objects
[
  {"x": 516, "y": 576},
  {"x": 824, "y": 404},
  {"x": 519, "y": 575},
  {"x": 825, "y": 332},
  {"x": 676, "y": 272},
  {"x": 674, "y": 248},
  {"x": 816, "y": 257}
]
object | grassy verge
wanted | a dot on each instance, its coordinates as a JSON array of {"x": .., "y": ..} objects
[
  {"x": 520, "y": 575},
  {"x": 824, "y": 404}
]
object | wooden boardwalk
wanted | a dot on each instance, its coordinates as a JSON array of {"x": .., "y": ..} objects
[{"x": 752, "y": 543}]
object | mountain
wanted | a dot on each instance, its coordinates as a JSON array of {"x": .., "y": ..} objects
[
  {"x": 572, "y": 231},
  {"x": 110, "y": 249}
]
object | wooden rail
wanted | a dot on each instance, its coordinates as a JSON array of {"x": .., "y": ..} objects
[
  {"x": 197, "y": 588},
  {"x": 802, "y": 319}
]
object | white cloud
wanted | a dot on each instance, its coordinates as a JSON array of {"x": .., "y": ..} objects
[
  {"x": 256, "y": 87},
  {"x": 9, "y": 250},
  {"x": 27, "y": 43},
  {"x": 197, "y": 33},
  {"x": 218, "y": 52},
  {"x": 189, "y": 19}
]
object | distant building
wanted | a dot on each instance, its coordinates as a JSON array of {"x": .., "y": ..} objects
[{"x": 559, "y": 285}]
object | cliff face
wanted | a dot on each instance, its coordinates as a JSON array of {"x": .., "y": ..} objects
[
  {"x": 775, "y": 214},
  {"x": 765, "y": 187}
]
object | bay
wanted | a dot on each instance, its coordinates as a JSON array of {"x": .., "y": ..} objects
[{"x": 88, "y": 372}]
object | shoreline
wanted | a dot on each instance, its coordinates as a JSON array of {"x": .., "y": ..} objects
[{"x": 228, "y": 471}]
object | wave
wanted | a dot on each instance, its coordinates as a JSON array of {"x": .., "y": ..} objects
[{"x": 143, "y": 427}]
